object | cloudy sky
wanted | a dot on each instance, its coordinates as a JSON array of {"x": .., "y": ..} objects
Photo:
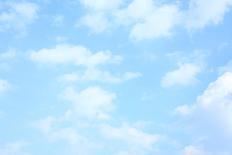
[{"x": 116, "y": 77}]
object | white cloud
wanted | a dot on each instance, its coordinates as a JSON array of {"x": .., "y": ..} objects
[
  {"x": 94, "y": 74},
  {"x": 4, "y": 85},
  {"x": 184, "y": 75},
  {"x": 136, "y": 10},
  {"x": 75, "y": 55},
  {"x": 90, "y": 103},
  {"x": 214, "y": 106},
  {"x": 96, "y": 22},
  {"x": 14, "y": 148},
  {"x": 202, "y": 13},
  {"x": 157, "y": 24},
  {"x": 97, "y": 18},
  {"x": 149, "y": 19},
  {"x": 132, "y": 136},
  {"x": 17, "y": 15}
]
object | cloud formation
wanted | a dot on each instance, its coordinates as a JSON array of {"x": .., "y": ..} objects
[
  {"x": 215, "y": 103},
  {"x": 208, "y": 12},
  {"x": 183, "y": 76},
  {"x": 64, "y": 54},
  {"x": 150, "y": 19},
  {"x": 90, "y": 103}
]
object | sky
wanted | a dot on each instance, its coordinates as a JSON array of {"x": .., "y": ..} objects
[{"x": 116, "y": 77}]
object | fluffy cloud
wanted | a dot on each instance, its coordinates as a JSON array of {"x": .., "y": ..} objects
[
  {"x": 90, "y": 103},
  {"x": 184, "y": 75},
  {"x": 4, "y": 85},
  {"x": 205, "y": 12},
  {"x": 64, "y": 54},
  {"x": 98, "y": 12},
  {"x": 17, "y": 15},
  {"x": 136, "y": 10},
  {"x": 75, "y": 55},
  {"x": 148, "y": 19},
  {"x": 214, "y": 106},
  {"x": 158, "y": 24}
]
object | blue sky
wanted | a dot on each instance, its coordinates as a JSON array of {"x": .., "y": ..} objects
[{"x": 115, "y": 77}]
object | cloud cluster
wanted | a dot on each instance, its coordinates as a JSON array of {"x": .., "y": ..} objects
[
  {"x": 76, "y": 55},
  {"x": 151, "y": 19},
  {"x": 90, "y": 108},
  {"x": 216, "y": 104},
  {"x": 90, "y": 104},
  {"x": 211, "y": 114}
]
